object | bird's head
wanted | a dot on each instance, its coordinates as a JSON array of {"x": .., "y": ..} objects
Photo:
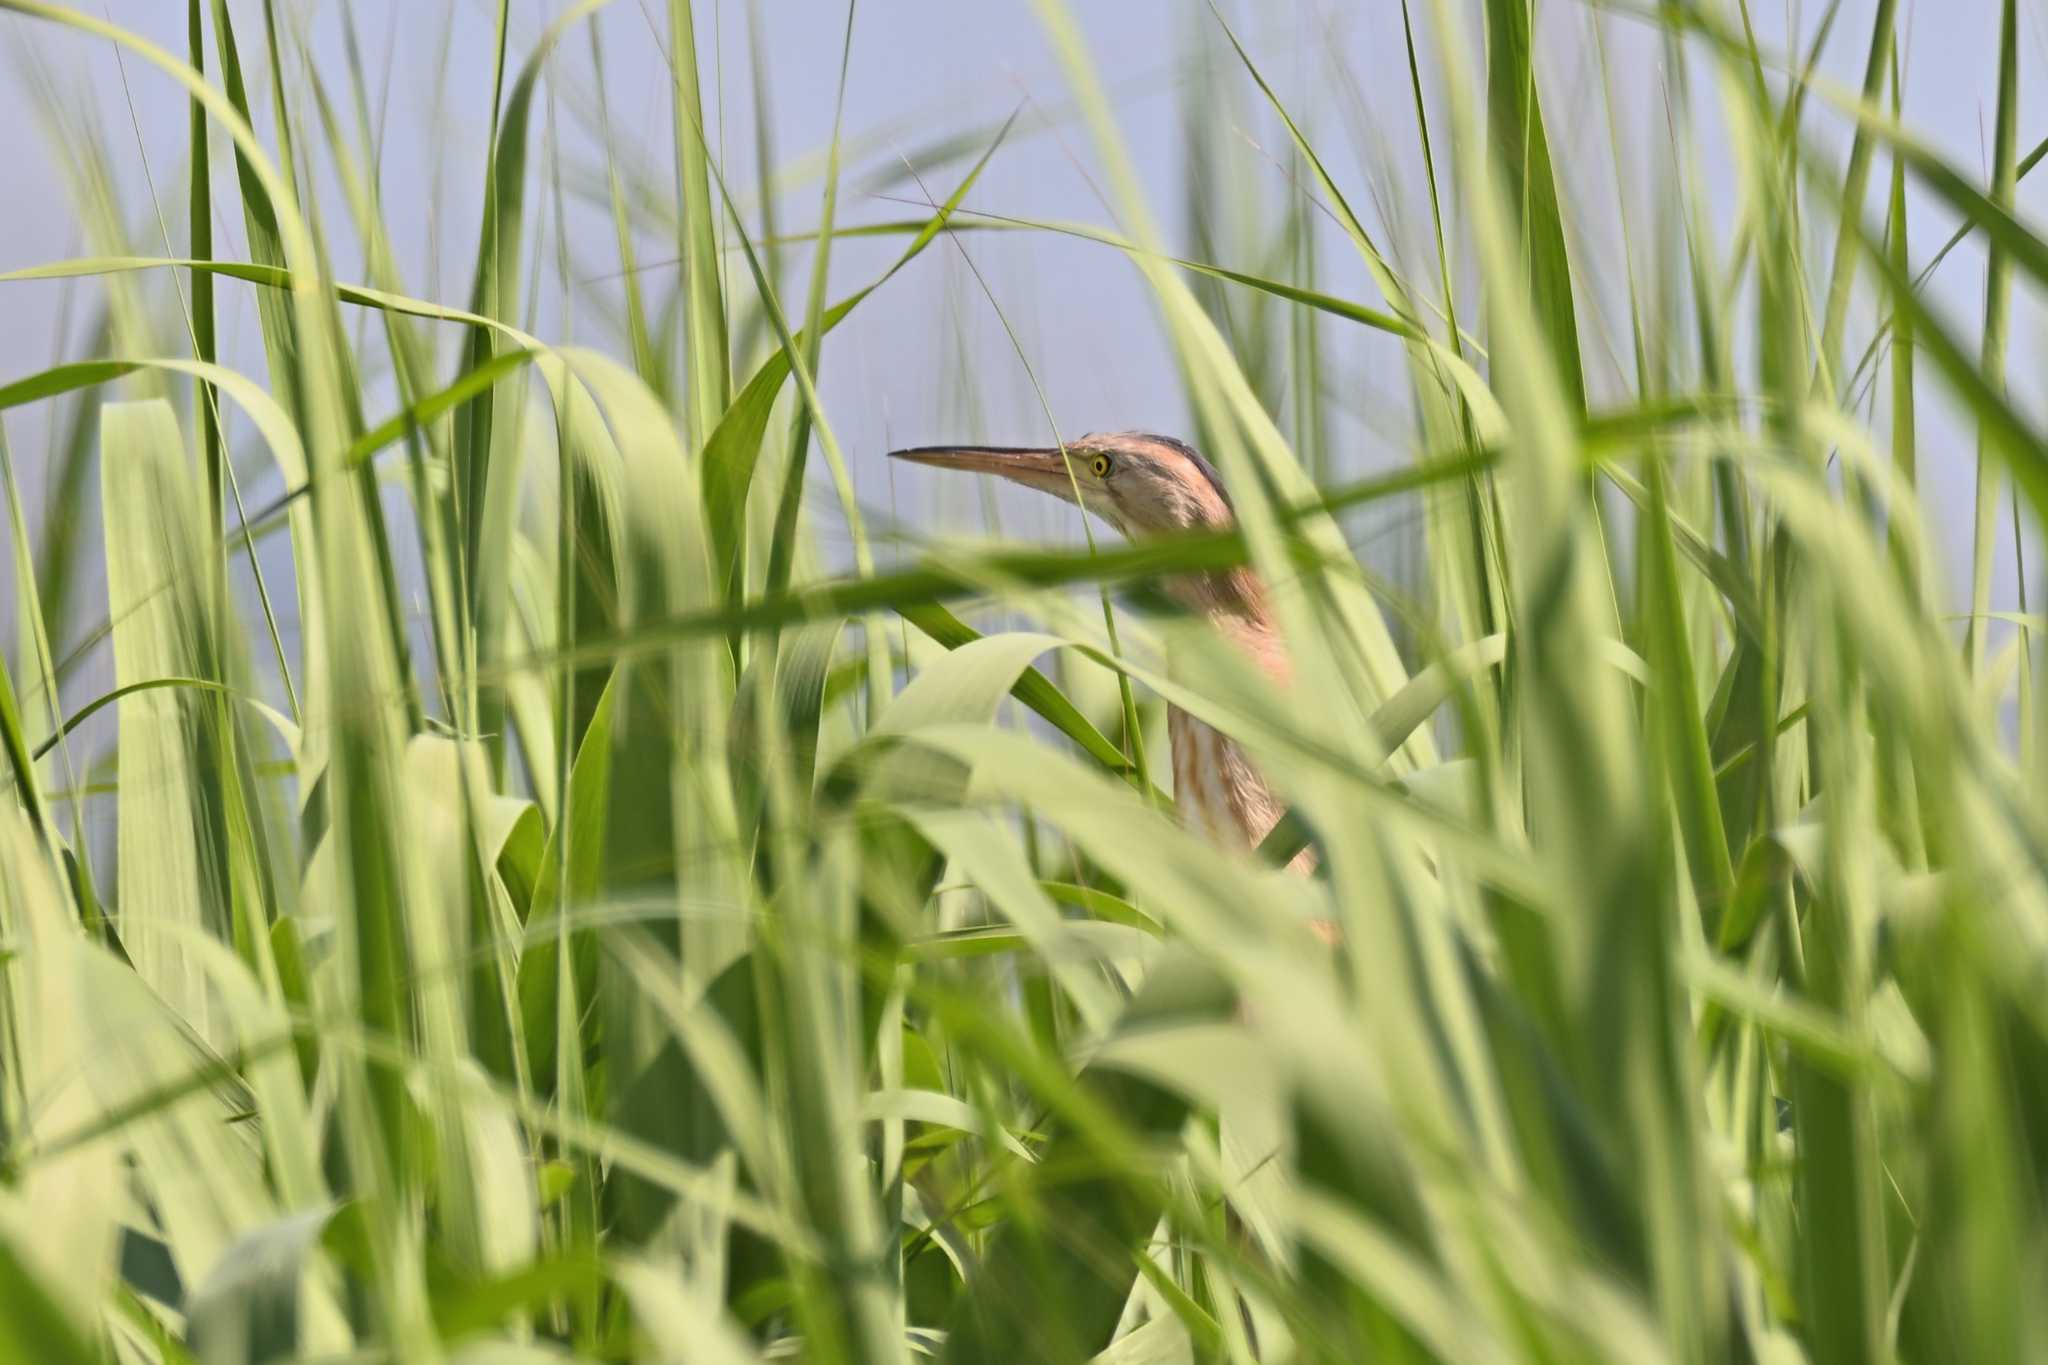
[{"x": 1138, "y": 483}]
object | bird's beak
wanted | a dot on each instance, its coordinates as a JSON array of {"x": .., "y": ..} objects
[{"x": 1040, "y": 467}]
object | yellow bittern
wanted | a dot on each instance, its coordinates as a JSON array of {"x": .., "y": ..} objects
[{"x": 1145, "y": 485}]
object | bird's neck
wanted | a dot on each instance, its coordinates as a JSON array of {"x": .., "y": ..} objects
[{"x": 1234, "y": 603}]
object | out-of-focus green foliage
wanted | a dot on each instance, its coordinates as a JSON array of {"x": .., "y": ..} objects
[{"x": 652, "y": 945}]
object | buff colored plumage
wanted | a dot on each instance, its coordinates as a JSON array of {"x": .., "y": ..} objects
[{"x": 1148, "y": 485}]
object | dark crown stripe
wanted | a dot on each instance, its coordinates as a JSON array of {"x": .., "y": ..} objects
[{"x": 1194, "y": 457}]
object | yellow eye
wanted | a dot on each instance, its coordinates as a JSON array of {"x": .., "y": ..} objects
[{"x": 1100, "y": 464}]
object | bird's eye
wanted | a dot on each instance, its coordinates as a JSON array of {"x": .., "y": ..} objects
[{"x": 1100, "y": 464}]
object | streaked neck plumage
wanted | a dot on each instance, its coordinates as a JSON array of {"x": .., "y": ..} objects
[{"x": 1215, "y": 784}]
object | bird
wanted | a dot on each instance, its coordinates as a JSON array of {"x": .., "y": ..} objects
[{"x": 1147, "y": 485}]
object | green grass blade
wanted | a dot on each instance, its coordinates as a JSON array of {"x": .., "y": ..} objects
[
  {"x": 707, "y": 360},
  {"x": 200, "y": 238},
  {"x": 1521, "y": 149},
  {"x": 1842, "y": 273},
  {"x": 1997, "y": 305}
]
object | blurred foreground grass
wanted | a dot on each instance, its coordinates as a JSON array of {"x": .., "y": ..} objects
[{"x": 665, "y": 952}]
